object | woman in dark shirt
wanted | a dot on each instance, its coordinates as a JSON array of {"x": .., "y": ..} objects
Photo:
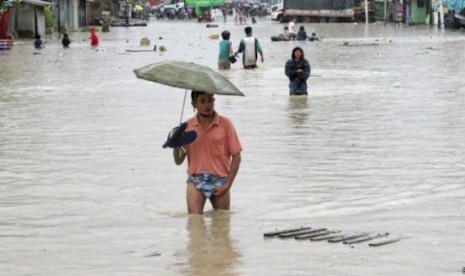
[{"x": 298, "y": 71}]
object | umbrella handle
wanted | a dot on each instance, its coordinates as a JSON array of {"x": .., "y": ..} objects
[{"x": 183, "y": 104}]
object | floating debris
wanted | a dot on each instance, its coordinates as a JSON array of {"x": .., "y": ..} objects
[
  {"x": 327, "y": 237},
  {"x": 346, "y": 43},
  {"x": 138, "y": 51},
  {"x": 430, "y": 48},
  {"x": 332, "y": 236},
  {"x": 367, "y": 238},
  {"x": 144, "y": 42},
  {"x": 349, "y": 237},
  {"x": 321, "y": 232},
  {"x": 276, "y": 233},
  {"x": 154, "y": 254},
  {"x": 301, "y": 233},
  {"x": 386, "y": 241}
]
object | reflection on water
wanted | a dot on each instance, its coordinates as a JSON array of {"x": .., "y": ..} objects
[
  {"x": 298, "y": 110},
  {"x": 210, "y": 247}
]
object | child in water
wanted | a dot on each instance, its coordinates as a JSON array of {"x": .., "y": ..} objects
[
  {"x": 224, "y": 60},
  {"x": 65, "y": 41},
  {"x": 313, "y": 37},
  {"x": 38, "y": 44},
  {"x": 302, "y": 34}
]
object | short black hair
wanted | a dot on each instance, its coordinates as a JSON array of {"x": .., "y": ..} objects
[
  {"x": 196, "y": 94},
  {"x": 248, "y": 30},
  {"x": 225, "y": 35}
]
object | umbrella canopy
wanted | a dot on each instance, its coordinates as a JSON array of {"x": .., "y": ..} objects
[{"x": 189, "y": 76}]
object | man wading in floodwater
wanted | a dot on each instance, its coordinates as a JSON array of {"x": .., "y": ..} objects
[{"x": 213, "y": 158}]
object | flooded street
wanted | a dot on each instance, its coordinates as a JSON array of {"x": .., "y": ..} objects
[{"x": 378, "y": 145}]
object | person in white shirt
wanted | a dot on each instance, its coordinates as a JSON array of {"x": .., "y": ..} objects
[
  {"x": 292, "y": 33},
  {"x": 250, "y": 47}
]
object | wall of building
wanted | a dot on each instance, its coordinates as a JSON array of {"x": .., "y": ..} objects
[
  {"x": 26, "y": 25},
  {"x": 419, "y": 11},
  {"x": 40, "y": 20}
]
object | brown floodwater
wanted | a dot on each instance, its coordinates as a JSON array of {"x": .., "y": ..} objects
[{"x": 377, "y": 146}]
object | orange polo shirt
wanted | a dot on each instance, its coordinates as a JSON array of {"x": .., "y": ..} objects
[{"x": 211, "y": 152}]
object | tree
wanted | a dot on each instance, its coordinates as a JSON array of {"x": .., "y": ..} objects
[
  {"x": 49, "y": 18},
  {"x": 3, "y": 4}
]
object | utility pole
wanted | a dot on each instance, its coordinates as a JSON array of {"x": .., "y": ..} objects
[
  {"x": 441, "y": 14},
  {"x": 366, "y": 12},
  {"x": 58, "y": 15},
  {"x": 385, "y": 12}
]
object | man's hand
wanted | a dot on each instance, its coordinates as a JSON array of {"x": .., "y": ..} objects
[{"x": 221, "y": 190}]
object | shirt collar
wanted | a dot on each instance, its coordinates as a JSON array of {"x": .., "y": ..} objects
[{"x": 216, "y": 120}]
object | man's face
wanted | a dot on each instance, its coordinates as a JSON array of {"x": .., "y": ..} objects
[{"x": 205, "y": 104}]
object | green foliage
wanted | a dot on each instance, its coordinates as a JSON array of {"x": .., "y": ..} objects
[
  {"x": 65, "y": 29},
  {"x": 3, "y": 5},
  {"x": 49, "y": 17}
]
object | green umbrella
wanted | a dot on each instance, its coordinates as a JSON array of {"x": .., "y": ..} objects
[{"x": 189, "y": 76}]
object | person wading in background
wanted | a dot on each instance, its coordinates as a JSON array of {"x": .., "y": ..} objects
[
  {"x": 298, "y": 71},
  {"x": 250, "y": 46}
]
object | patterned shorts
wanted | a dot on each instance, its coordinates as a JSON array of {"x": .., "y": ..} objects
[{"x": 206, "y": 182}]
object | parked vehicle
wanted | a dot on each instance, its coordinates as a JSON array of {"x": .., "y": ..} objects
[
  {"x": 461, "y": 19},
  {"x": 173, "y": 9},
  {"x": 258, "y": 10},
  {"x": 315, "y": 10}
]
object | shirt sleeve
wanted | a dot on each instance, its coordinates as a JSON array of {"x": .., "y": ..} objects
[
  {"x": 288, "y": 70},
  {"x": 241, "y": 46},
  {"x": 234, "y": 144},
  {"x": 307, "y": 70},
  {"x": 259, "y": 48}
]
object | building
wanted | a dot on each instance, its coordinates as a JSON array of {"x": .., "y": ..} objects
[
  {"x": 23, "y": 20},
  {"x": 413, "y": 11}
]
